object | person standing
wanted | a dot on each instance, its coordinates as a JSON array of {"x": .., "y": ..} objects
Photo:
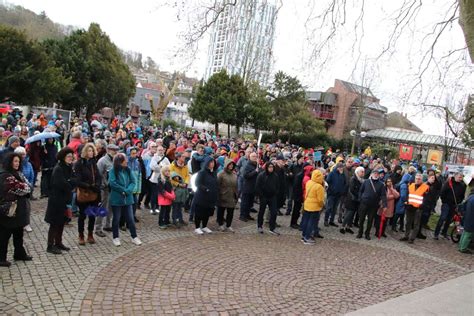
[
  {"x": 298, "y": 194},
  {"x": 371, "y": 193},
  {"x": 336, "y": 187},
  {"x": 122, "y": 183},
  {"x": 466, "y": 236},
  {"x": 351, "y": 201},
  {"x": 227, "y": 182},
  {"x": 348, "y": 173},
  {"x": 135, "y": 168},
  {"x": 104, "y": 165},
  {"x": 205, "y": 198},
  {"x": 166, "y": 197},
  {"x": 313, "y": 204},
  {"x": 249, "y": 175},
  {"x": 267, "y": 189},
  {"x": 452, "y": 194},
  {"x": 429, "y": 202},
  {"x": 48, "y": 162},
  {"x": 14, "y": 188},
  {"x": 158, "y": 161},
  {"x": 59, "y": 200},
  {"x": 88, "y": 180},
  {"x": 293, "y": 170},
  {"x": 392, "y": 196},
  {"x": 416, "y": 193}
]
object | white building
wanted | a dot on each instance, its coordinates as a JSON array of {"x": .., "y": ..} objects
[{"x": 242, "y": 40}]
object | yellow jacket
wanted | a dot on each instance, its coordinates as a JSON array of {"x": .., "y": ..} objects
[
  {"x": 338, "y": 159},
  {"x": 182, "y": 171},
  {"x": 314, "y": 199}
]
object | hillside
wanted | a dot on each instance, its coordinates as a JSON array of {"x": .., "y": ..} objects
[{"x": 36, "y": 26}]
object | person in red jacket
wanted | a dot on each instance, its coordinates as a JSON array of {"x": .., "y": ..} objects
[
  {"x": 166, "y": 197},
  {"x": 75, "y": 142}
]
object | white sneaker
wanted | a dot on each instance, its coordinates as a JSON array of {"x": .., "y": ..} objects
[
  {"x": 230, "y": 229},
  {"x": 116, "y": 242},
  {"x": 207, "y": 230},
  {"x": 222, "y": 228},
  {"x": 152, "y": 212},
  {"x": 137, "y": 241},
  {"x": 28, "y": 228},
  {"x": 198, "y": 231},
  {"x": 157, "y": 211}
]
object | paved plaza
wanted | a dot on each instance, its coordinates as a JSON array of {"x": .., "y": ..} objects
[{"x": 176, "y": 272}]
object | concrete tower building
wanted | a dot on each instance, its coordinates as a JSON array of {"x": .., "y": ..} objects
[{"x": 242, "y": 40}]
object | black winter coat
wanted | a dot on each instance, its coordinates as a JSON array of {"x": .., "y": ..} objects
[
  {"x": 88, "y": 176},
  {"x": 250, "y": 177},
  {"x": 298, "y": 187},
  {"x": 48, "y": 158},
  {"x": 450, "y": 198},
  {"x": 267, "y": 184},
  {"x": 352, "y": 199},
  {"x": 207, "y": 188},
  {"x": 62, "y": 184}
]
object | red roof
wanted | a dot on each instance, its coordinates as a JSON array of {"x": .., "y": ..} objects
[{"x": 151, "y": 86}]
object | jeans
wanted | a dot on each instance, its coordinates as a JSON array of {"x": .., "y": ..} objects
[
  {"x": 310, "y": 220},
  {"x": 178, "y": 212},
  {"x": 229, "y": 215},
  {"x": 366, "y": 211},
  {"x": 55, "y": 235},
  {"x": 332, "y": 203},
  {"x": 164, "y": 217},
  {"x": 246, "y": 204},
  {"x": 295, "y": 214},
  {"x": 118, "y": 212},
  {"x": 134, "y": 210},
  {"x": 153, "y": 196},
  {"x": 447, "y": 213},
  {"x": 5, "y": 234},
  {"x": 82, "y": 219},
  {"x": 99, "y": 223},
  {"x": 272, "y": 205}
]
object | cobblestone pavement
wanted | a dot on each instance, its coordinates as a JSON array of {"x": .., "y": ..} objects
[{"x": 175, "y": 271}]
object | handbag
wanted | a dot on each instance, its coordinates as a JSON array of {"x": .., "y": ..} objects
[
  {"x": 8, "y": 209},
  {"x": 87, "y": 195}
]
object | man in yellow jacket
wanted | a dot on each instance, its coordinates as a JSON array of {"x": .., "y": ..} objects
[{"x": 313, "y": 204}]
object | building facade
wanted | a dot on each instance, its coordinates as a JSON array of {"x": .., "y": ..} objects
[{"x": 242, "y": 40}]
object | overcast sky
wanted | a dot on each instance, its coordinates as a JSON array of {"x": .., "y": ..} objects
[{"x": 152, "y": 28}]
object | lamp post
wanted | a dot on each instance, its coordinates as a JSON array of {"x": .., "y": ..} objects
[{"x": 356, "y": 137}]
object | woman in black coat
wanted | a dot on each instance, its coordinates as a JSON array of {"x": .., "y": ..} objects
[
  {"x": 60, "y": 199},
  {"x": 14, "y": 188},
  {"x": 88, "y": 178},
  {"x": 352, "y": 200},
  {"x": 205, "y": 198}
]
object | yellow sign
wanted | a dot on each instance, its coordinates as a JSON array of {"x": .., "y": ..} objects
[{"x": 435, "y": 157}]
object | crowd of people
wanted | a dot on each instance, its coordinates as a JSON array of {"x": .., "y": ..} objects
[{"x": 123, "y": 167}]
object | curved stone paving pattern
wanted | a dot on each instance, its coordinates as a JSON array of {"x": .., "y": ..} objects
[{"x": 175, "y": 271}]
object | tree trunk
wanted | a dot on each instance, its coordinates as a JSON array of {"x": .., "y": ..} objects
[
  {"x": 228, "y": 130},
  {"x": 216, "y": 128}
]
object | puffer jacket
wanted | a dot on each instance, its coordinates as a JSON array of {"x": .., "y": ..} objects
[
  {"x": 403, "y": 189},
  {"x": 314, "y": 198},
  {"x": 166, "y": 195}
]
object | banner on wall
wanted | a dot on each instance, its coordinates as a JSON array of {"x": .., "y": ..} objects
[
  {"x": 435, "y": 157},
  {"x": 406, "y": 152}
]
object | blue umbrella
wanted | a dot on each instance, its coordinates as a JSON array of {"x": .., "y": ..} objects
[{"x": 41, "y": 136}]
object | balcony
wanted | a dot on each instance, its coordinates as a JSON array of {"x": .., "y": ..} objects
[{"x": 325, "y": 115}]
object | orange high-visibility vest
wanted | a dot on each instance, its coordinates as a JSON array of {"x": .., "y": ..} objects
[{"x": 415, "y": 196}]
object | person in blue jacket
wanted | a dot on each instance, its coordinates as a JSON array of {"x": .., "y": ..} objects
[
  {"x": 336, "y": 187},
  {"x": 122, "y": 184},
  {"x": 400, "y": 206}
]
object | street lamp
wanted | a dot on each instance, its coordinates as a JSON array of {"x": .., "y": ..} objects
[{"x": 356, "y": 136}]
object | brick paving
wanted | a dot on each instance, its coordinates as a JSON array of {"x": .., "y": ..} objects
[{"x": 177, "y": 272}]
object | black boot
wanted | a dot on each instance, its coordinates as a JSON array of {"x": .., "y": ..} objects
[{"x": 54, "y": 250}]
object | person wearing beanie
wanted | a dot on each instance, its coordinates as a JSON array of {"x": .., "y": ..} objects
[{"x": 12, "y": 143}]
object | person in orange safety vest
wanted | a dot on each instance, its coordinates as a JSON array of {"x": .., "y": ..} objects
[{"x": 416, "y": 192}]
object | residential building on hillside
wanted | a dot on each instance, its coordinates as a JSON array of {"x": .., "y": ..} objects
[{"x": 242, "y": 40}]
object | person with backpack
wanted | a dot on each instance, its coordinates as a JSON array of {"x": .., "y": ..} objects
[
  {"x": 122, "y": 184},
  {"x": 181, "y": 194}
]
